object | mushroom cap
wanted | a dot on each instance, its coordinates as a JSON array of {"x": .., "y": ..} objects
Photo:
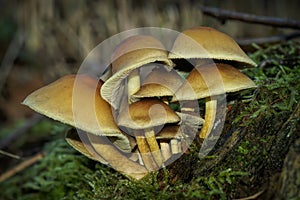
[
  {"x": 191, "y": 119},
  {"x": 159, "y": 83},
  {"x": 133, "y": 53},
  {"x": 99, "y": 149},
  {"x": 203, "y": 82},
  {"x": 170, "y": 132},
  {"x": 76, "y": 101},
  {"x": 85, "y": 148},
  {"x": 208, "y": 43},
  {"x": 116, "y": 159},
  {"x": 146, "y": 113}
]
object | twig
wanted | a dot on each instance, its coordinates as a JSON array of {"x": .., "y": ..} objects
[
  {"x": 21, "y": 130},
  {"x": 9, "y": 154},
  {"x": 265, "y": 40},
  {"x": 224, "y": 15},
  {"x": 10, "y": 56},
  {"x": 21, "y": 166},
  {"x": 254, "y": 196}
]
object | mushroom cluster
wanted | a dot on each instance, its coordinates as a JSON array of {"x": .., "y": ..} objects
[{"x": 127, "y": 120}]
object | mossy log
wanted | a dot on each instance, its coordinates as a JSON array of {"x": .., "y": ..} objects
[{"x": 260, "y": 137}]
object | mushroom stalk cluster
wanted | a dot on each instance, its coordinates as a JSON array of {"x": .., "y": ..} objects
[{"x": 127, "y": 121}]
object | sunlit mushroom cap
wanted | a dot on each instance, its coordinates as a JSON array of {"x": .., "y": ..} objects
[
  {"x": 75, "y": 100},
  {"x": 83, "y": 147},
  {"x": 203, "y": 81},
  {"x": 147, "y": 113},
  {"x": 160, "y": 83},
  {"x": 208, "y": 43},
  {"x": 133, "y": 53}
]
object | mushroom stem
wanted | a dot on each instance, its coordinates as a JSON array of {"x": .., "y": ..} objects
[
  {"x": 153, "y": 145},
  {"x": 165, "y": 100},
  {"x": 210, "y": 115},
  {"x": 174, "y": 146},
  {"x": 165, "y": 150},
  {"x": 215, "y": 113},
  {"x": 145, "y": 152},
  {"x": 133, "y": 84}
]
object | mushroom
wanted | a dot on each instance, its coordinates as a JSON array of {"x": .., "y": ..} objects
[
  {"x": 159, "y": 83},
  {"x": 162, "y": 83},
  {"x": 208, "y": 44},
  {"x": 142, "y": 117},
  {"x": 201, "y": 45},
  {"x": 83, "y": 146},
  {"x": 75, "y": 100},
  {"x": 130, "y": 55},
  {"x": 232, "y": 79},
  {"x": 170, "y": 138}
]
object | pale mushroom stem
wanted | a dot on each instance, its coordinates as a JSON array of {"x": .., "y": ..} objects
[
  {"x": 165, "y": 100},
  {"x": 153, "y": 145},
  {"x": 133, "y": 84},
  {"x": 210, "y": 116},
  {"x": 165, "y": 150},
  {"x": 144, "y": 149},
  {"x": 174, "y": 146}
]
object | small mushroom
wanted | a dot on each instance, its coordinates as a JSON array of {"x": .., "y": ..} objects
[
  {"x": 207, "y": 43},
  {"x": 83, "y": 146},
  {"x": 168, "y": 138},
  {"x": 232, "y": 79},
  {"x": 142, "y": 117},
  {"x": 102, "y": 151},
  {"x": 75, "y": 100},
  {"x": 159, "y": 83},
  {"x": 202, "y": 45},
  {"x": 130, "y": 55}
]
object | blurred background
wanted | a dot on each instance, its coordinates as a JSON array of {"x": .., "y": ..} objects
[{"x": 44, "y": 40}]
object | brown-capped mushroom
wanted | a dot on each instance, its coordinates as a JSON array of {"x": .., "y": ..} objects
[
  {"x": 75, "y": 100},
  {"x": 201, "y": 45},
  {"x": 170, "y": 138},
  {"x": 142, "y": 117},
  {"x": 84, "y": 147},
  {"x": 130, "y": 55},
  {"x": 232, "y": 81},
  {"x": 102, "y": 151},
  {"x": 207, "y": 43},
  {"x": 159, "y": 83}
]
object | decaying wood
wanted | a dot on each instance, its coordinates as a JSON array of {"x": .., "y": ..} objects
[
  {"x": 290, "y": 176},
  {"x": 224, "y": 15}
]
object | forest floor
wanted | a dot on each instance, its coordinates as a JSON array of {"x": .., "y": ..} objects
[{"x": 257, "y": 156}]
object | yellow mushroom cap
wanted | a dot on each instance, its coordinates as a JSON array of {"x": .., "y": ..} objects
[
  {"x": 208, "y": 43},
  {"x": 201, "y": 80},
  {"x": 75, "y": 100},
  {"x": 99, "y": 149},
  {"x": 147, "y": 113},
  {"x": 85, "y": 148},
  {"x": 138, "y": 50},
  {"x": 133, "y": 53},
  {"x": 170, "y": 132},
  {"x": 160, "y": 83}
]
